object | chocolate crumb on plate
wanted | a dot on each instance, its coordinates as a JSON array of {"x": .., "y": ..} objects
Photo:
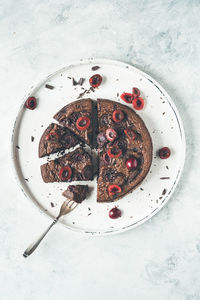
[
  {"x": 163, "y": 113},
  {"x": 69, "y": 77},
  {"x": 164, "y": 192},
  {"x": 95, "y": 68},
  {"x": 32, "y": 138},
  {"x": 141, "y": 189},
  {"x": 89, "y": 214},
  {"x": 167, "y": 167},
  {"x": 26, "y": 179},
  {"x": 164, "y": 177},
  {"x": 17, "y": 147},
  {"x": 52, "y": 204},
  {"x": 49, "y": 86}
]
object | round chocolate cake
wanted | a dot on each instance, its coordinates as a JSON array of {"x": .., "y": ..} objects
[{"x": 123, "y": 143}]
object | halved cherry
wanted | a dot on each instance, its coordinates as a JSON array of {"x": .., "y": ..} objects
[
  {"x": 131, "y": 163},
  {"x": 118, "y": 115},
  {"x": 65, "y": 173},
  {"x": 114, "y": 189},
  {"x": 82, "y": 123},
  {"x": 51, "y": 136},
  {"x": 111, "y": 134},
  {"x": 164, "y": 153},
  {"x": 115, "y": 213},
  {"x": 136, "y": 92},
  {"x": 138, "y": 103},
  {"x": 114, "y": 152},
  {"x": 95, "y": 80},
  {"x": 31, "y": 103},
  {"x": 130, "y": 134},
  {"x": 127, "y": 97}
]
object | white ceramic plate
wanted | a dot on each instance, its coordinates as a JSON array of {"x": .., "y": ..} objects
[{"x": 160, "y": 116}]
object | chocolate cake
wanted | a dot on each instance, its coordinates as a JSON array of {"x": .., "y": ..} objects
[
  {"x": 73, "y": 166},
  {"x": 77, "y": 116},
  {"x": 125, "y": 150},
  {"x": 77, "y": 193},
  {"x": 56, "y": 138}
]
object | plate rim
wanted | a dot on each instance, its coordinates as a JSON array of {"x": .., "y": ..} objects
[{"x": 37, "y": 85}]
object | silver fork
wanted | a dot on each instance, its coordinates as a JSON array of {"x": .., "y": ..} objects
[{"x": 66, "y": 207}]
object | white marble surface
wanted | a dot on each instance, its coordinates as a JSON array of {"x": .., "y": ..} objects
[{"x": 158, "y": 260}]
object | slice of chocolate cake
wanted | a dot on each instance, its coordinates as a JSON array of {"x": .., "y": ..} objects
[
  {"x": 125, "y": 150},
  {"x": 56, "y": 138},
  {"x": 77, "y": 116},
  {"x": 73, "y": 166},
  {"x": 77, "y": 193}
]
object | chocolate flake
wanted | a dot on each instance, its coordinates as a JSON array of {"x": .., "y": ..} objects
[
  {"x": 17, "y": 147},
  {"x": 69, "y": 77},
  {"x": 32, "y": 138},
  {"x": 164, "y": 177},
  {"x": 26, "y": 179},
  {"x": 117, "y": 94},
  {"x": 81, "y": 80},
  {"x": 48, "y": 86},
  {"x": 141, "y": 189},
  {"x": 73, "y": 222},
  {"x": 167, "y": 167},
  {"x": 95, "y": 68},
  {"x": 164, "y": 192},
  {"x": 89, "y": 214},
  {"x": 163, "y": 113},
  {"x": 74, "y": 82},
  {"x": 89, "y": 208},
  {"x": 52, "y": 204}
]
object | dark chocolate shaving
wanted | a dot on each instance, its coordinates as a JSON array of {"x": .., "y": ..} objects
[
  {"x": 164, "y": 192},
  {"x": 17, "y": 147},
  {"x": 95, "y": 68},
  {"x": 32, "y": 138},
  {"x": 48, "y": 86},
  {"x": 52, "y": 204},
  {"x": 164, "y": 177}
]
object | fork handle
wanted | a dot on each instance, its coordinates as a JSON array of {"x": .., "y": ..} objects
[{"x": 35, "y": 244}]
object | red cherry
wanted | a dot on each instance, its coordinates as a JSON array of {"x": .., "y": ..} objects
[
  {"x": 82, "y": 123},
  {"x": 131, "y": 163},
  {"x": 31, "y": 103},
  {"x": 114, "y": 152},
  {"x": 115, "y": 213},
  {"x": 138, "y": 103},
  {"x": 136, "y": 92},
  {"x": 114, "y": 189},
  {"x": 164, "y": 153},
  {"x": 118, "y": 115},
  {"x": 65, "y": 173},
  {"x": 95, "y": 80},
  {"x": 127, "y": 97},
  {"x": 111, "y": 134}
]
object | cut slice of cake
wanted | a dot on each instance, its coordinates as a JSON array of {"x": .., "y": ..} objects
[
  {"x": 77, "y": 116},
  {"x": 73, "y": 166},
  {"x": 56, "y": 138},
  {"x": 124, "y": 149},
  {"x": 77, "y": 193}
]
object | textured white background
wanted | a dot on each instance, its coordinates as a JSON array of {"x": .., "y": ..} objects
[{"x": 160, "y": 259}]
